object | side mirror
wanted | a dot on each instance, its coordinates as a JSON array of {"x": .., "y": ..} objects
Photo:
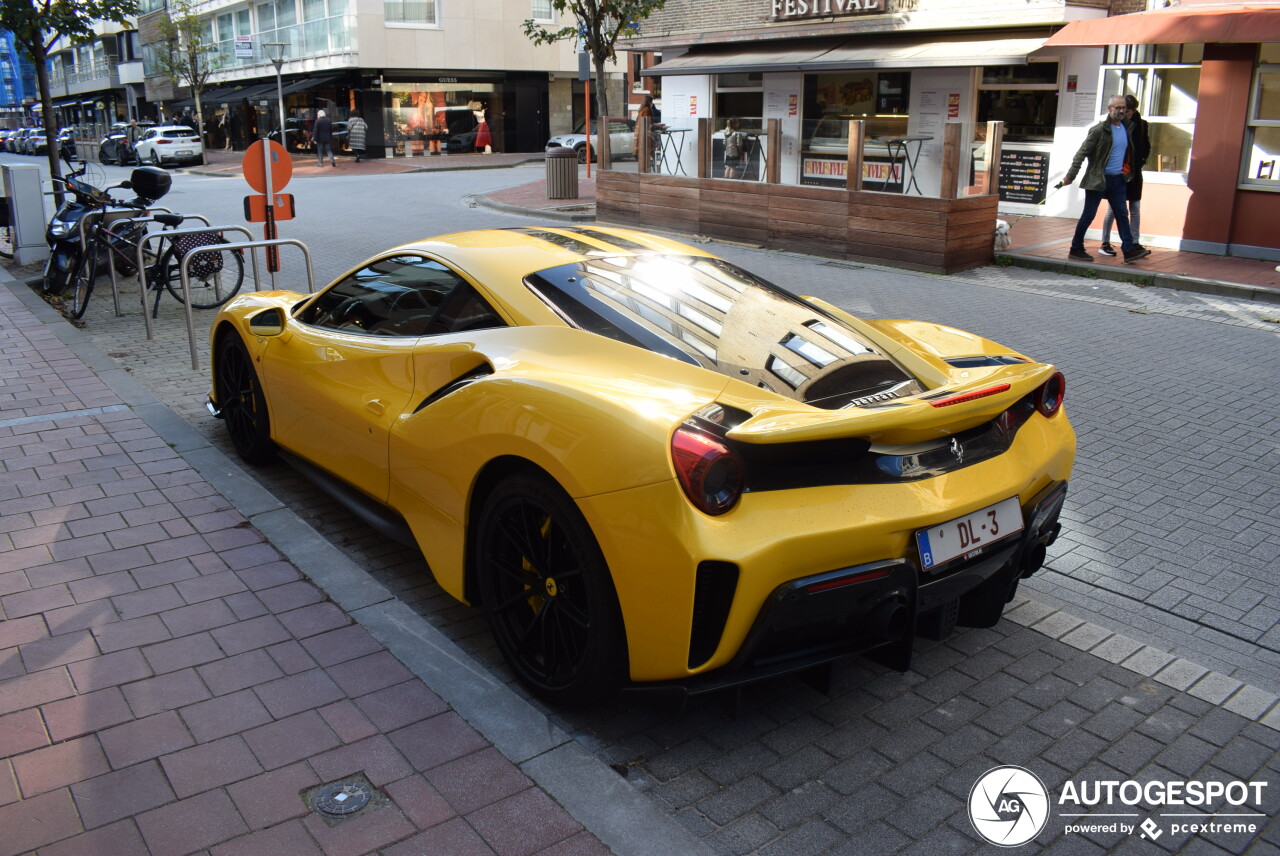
[
  {"x": 269, "y": 322},
  {"x": 125, "y": 185}
]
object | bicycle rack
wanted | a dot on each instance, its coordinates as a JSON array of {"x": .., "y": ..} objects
[
  {"x": 186, "y": 290},
  {"x": 217, "y": 248},
  {"x": 111, "y": 259}
]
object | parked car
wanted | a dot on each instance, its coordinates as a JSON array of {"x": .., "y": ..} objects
[
  {"x": 34, "y": 143},
  {"x": 67, "y": 141},
  {"x": 650, "y": 466},
  {"x": 169, "y": 144},
  {"x": 115, "y": 147},
  {"x": 622, "y": 134},
  {"x": 14, "y": 140}
]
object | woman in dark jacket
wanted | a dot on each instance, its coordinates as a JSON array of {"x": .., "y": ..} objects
[{"x": 1140, "y": 140}]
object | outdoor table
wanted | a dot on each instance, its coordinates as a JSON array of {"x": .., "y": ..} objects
[
  {"x": 905, "y": 149},
  {"x": 672, "y": 143}
]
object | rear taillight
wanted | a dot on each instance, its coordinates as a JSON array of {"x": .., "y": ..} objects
[
  {"x": 163, "y": 142},
  {"x": 709, "y": 471},
  {"x": 1049, "y": 397}
]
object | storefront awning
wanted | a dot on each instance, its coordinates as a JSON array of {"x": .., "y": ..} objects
[
  {"x": 1233, "y": 23},
  {"x": 864, "y": 52},
  {"x": 311, "y": 82}
]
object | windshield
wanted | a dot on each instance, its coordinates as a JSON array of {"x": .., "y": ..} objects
[{"x": 714, "y": 314}]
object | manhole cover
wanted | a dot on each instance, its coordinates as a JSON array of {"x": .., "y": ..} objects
[{"x": 341, "y": 798}]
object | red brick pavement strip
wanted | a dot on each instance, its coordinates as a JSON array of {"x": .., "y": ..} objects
[{"x": 168, "y": 683}]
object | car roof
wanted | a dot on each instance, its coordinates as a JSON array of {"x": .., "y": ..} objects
[{"x": 500, "y": 259}]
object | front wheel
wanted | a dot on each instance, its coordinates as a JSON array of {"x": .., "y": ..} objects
[
  {"x": 209, "y": 288},
  {"x": 550, "y": 600},
  {"x": 242, "y": 402},
  {"x": 582, "y": 153},
  {"x": 82, "y": 283}
]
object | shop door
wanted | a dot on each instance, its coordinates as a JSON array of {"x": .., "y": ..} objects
[{"x": 526, "y": 102}]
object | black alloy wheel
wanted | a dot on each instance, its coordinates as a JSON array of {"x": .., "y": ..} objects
[
  {"x": 582, "y": 153},
  {"x": 547, "y": 591},
  {"x": 243, "y": 405}
]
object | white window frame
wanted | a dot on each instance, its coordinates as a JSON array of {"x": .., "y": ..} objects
[
  {"x": 1151, "y": 69},
  {"x": 551, "y": 18},
  {"x": 1247, "y": 181},
  {"x": 415, "y": 25}
]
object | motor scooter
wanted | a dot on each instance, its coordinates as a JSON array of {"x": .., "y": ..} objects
[{"x": 65, "y": 231}]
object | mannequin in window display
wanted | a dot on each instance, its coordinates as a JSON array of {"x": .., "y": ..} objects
[{"x": 484, "y": 140}]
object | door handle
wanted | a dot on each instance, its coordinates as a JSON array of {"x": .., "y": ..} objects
[{"x": 375, "y": 406}]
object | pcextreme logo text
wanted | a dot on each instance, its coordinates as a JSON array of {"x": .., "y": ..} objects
[{"x": 1009, "y": 806}]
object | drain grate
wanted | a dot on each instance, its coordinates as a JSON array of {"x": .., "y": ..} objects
[{"x": 341, "y": 798}]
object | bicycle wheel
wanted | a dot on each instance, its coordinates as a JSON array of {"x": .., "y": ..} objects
[
  {"x": 212, "y": 290},
  {"x": 82, "y": 284}
]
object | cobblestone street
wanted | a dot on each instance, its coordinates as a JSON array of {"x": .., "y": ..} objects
[{"x": 1147, "y": 649}]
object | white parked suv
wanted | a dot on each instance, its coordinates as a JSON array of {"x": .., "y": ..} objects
[
  {"x": 169, "y": 144},
  {"x": 622, "y": 135}
]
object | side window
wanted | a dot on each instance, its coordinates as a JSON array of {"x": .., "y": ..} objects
[
  {"x": 465, "y": 310},
  {"x": 396, "y": 296}
]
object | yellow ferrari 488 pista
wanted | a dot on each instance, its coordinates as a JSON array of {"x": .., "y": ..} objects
[{"x": 651, "y": 468}]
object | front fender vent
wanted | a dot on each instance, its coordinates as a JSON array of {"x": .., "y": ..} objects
[{"x": 713, "y": 593}]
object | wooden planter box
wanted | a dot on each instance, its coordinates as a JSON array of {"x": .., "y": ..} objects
[{"x": 914, "y": 232}]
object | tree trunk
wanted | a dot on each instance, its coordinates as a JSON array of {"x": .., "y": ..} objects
[
  {"x": 204, "y": 144},
  {"x": 602, "y": 96},
  {"x": 41, "y": 57}
]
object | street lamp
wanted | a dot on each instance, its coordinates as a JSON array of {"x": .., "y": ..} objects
[{"x": 275, "y": 53}]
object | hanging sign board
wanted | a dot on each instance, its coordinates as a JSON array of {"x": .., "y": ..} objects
[{"x": 244, "y": 47}]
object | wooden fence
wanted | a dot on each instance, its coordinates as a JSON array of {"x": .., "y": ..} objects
[{"x": 915, "y": 232}]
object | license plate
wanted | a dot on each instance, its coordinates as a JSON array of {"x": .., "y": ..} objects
[
  {"x": 946, "y": 541},
  {"x": 185, "y": 154}
]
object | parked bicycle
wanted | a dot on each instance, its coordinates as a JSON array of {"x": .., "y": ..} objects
[{"x": 109, "y": 231}]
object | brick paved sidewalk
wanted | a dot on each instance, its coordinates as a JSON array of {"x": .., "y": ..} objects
[{"x": 169, "y": 683}]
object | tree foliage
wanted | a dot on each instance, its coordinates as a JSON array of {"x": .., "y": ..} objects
[
  {"x": 599, "y": 23},
  {"x": 38, "y": 24},
  {"x": 184, "y": 56}
]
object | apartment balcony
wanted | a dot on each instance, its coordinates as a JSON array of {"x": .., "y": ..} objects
[{"x": 83, "y": 79}]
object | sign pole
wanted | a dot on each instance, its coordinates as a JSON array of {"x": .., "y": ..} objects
[{"x": 269, "y": 228}]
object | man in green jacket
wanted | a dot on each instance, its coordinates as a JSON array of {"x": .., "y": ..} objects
[{"x": 1111, "y": 164}]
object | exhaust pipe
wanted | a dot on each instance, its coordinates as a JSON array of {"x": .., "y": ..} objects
[{"x": 889, "y": 620}]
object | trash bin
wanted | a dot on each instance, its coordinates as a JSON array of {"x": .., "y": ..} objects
[{"x": 562, "y": 173}]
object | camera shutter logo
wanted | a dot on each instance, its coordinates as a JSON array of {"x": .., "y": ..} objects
[{"x": 1008, "y": 806}]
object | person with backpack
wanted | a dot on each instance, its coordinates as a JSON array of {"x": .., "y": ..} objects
[{"x": 735, "y": 149}]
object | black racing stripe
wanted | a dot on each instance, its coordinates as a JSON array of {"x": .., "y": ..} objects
[
  {"x": 563, "y": 241},
  {"x": 613, "y": 240}
]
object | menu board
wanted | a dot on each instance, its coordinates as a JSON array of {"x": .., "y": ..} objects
[{"x": 1024, "y": 176}]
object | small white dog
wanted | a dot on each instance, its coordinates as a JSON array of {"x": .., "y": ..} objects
[{"x": 1002, "y": 236}]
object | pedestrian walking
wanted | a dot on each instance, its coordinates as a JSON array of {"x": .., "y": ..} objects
[
  {"x": 322, "y": 136},
  {"x": 357, "y": 130},
  {"x": 1140, "y": 134},
  {"x": 1110, "y": 154},
  {"x": 735, "y": 149}
]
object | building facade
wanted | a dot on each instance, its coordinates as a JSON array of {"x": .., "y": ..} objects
[
  {"x": 95, "y": 84},
  {"x": 17, "y": 84},
  {"x": 428, "y": 76},
  {"x": 909, "y": 68}
]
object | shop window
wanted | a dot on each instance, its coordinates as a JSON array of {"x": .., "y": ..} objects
[
  {"x": 880, "y": 100},
  {"x": 1167, "y": 95},
  {"x": 1261, "y": 159},
  {"x": 410, "y": 12},
  {"x": 1024, "y": 97},
  {"x": 1153, "y": 55}
]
